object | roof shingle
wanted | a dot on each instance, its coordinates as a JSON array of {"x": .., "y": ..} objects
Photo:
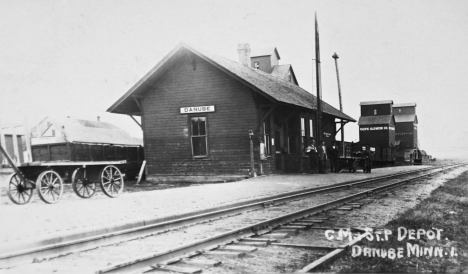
[{"x": 375, "y": 120}]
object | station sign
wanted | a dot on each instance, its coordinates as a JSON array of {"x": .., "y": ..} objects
[{"x": 201, "y": 109}]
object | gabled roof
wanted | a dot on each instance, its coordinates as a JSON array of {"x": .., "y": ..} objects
[
  {"x": 404, "y": 105},
  {"x": 257, "y": 52},
  {"x": 85, "y": 131},
  {"x": 269, "y": 86},
  {"x": 376, "y": 120},
  {"x": 403, "y": 118},
  {"x": 282, "y": 71},
  {"x": 376, "y": 103}
]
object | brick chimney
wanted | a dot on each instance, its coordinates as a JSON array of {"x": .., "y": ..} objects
[{"x": 244, "y": 54}]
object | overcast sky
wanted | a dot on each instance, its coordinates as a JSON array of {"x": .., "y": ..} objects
[{"x": 76, "y": 58}]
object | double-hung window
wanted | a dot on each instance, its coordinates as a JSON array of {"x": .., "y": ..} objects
[
  {"x": 198, "y": 136},
  {"x": 303, "y": 134},
  {"x": 267, "y": 138}
]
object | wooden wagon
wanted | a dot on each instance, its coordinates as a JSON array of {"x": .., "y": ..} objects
[
  {"x": 352, "y": 157},
  {"x": 84, "y": 165}
]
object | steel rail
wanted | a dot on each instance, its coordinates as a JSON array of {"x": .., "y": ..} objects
[
  {"x": 144, "y": 263},
  {"x": 143, "y": 229}
]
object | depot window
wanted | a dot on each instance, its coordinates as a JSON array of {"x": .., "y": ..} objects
[
  {"x": 303, "y": 134},
  {"x": 198, "y": 136},
  {"x": 267, "y": 137}
]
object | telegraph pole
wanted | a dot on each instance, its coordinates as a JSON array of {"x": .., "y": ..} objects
[
  {"x": 335, "y": 56},
  {"x": 319, "y": 84}
]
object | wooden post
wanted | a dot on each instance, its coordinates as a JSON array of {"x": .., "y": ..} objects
[
  {"x": 2, "y": 142},
  {"x": 16, "y": 157},
  {"x": 252, "y": 163},
  {"x": 142, "y": 169},
  {"x": 50, "y": 152},
  {"x": 27, "y": 135}
]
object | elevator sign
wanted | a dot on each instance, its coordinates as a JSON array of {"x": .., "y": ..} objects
[{"x": 201, "y": 109}]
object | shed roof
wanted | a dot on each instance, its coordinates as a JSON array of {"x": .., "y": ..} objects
[
  {"x": 375, "y": 120},
  {"x": 257, "y": 52},
  {"x": 270, "y": 86},
  {"x": 85, "y": 131},
  {"x": 384, "y": 102},
  {"x": 404, "y": 118},
  {"x": 404, "y": 105}
]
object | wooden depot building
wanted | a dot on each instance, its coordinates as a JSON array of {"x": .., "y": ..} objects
[{"x": 197, "y": 110}]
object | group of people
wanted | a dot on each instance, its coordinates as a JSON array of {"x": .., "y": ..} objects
[{"x": 319, "y": 155}]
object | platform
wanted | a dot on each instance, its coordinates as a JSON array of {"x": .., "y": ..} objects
[{"x": 72, "y": 217}]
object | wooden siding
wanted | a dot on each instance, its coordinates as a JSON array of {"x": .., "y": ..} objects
[
  {"x": 407, "y": 133},
  {"x": 382, "y": 109},
  {"x": 167, "y": 132}
]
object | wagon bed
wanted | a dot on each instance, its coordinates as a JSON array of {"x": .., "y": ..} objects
[{"x": 47, "y": 177}]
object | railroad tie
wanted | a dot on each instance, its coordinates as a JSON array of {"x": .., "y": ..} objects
[
  {"x": 202, "y": 262},
  {"x": 239, "y": 248},
  {"x": 306, "y": 224},
  {"x": 178, "y": 269},
  {"x": 312, "y": 221},
  {"x": 250, "y": 243},
  {"x": 293, "y": 227},
  {"x": 278, "y": 235},
  {"x": 225, "y": 253},
  {"x": 348, "y": 208},
  {"x": 269, "y": 240}
]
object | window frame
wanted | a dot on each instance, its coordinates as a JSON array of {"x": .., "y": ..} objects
[
  {"x": 189, "y": 121},
  {"x": 267, "y": 136},
  {"x": 303, "y": 134}
]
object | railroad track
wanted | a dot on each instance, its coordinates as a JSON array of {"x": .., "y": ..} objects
[{"x": 160, "y": 259}]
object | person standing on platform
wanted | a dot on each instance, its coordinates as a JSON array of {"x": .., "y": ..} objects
[
  {"x": 368, "y": 159},
  {"x": 334, "y": 153},
  {"x": 322, "y": 155},
  {"x": 311, "y": 151}
]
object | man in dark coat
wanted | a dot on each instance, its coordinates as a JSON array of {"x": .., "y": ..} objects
[
  {"x": 322, "y": 157},
  {"x": 334, "y": 153},
  {"x": 367, "y": 160},
  {"x": 311, "y": 151}
]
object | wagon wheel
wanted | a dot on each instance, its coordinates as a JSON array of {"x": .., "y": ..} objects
[
  {"x": 82, "y": 185},
  {"x": 111, "y": 180},
  {"x": 49, "y": 186},
  {"x": 19, "y": 191}
]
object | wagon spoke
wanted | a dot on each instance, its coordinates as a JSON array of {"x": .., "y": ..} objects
[
  {"x": 53, "y": 190},
  {"x": 13, "y": 183}
]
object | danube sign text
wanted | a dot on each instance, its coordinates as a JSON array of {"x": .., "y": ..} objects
[{"x": 185, "y": 110}]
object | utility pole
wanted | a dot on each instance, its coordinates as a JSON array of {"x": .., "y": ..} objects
[
  {"x": 319, "y": 84},
  {"x": 335, "y": 56}
]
